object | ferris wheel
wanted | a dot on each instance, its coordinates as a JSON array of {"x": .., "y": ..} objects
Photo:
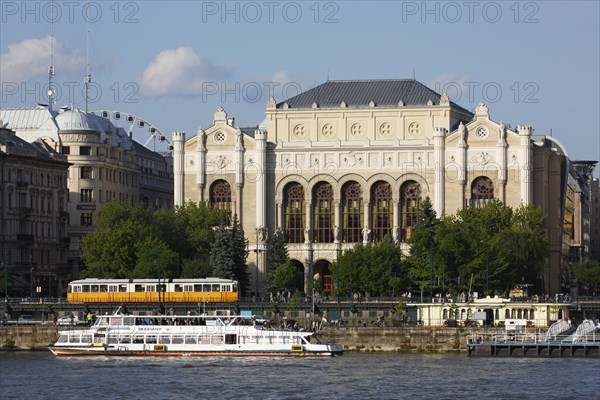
[{"x": 134, "y": 124}]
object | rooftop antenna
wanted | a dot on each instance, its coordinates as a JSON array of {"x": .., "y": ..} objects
[
  {"x": 87, "y": 80},
  {"x": 550, "y": 132},
  {"x": 51, "y": 67},
  {"x": 414, "y": 74},
  {"x": 327, "y": 74}
]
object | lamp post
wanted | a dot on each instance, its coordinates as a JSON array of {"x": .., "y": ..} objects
[{"x": 31, "y": 283}]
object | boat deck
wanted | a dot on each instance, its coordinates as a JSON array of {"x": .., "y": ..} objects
[{"x": 532, "y": 345}]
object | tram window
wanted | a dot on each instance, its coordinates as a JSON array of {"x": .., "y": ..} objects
[
  {"x": 122, "y": 288},
  {"x": 103, "y": 288},
  {"x": 190, "y": 340},
  {"x": 178, "y": 288},
  {"x": 177, "y": 340},
  {"x": 206, "y": 288},
  {"x": 85, "y": 288},
  {"x": 150, "y": 288},
  {"x": 197, "y": 288},
  {"x": 235, "y": 287},
  {"x": 162, "y": 287},
  {"x": 94, "y": 289},
  {"x": 216, "y": 287},
  {"x": 139, "y": 288},
  {"x": 188, "y": 288},
  {"x": 227, "y": 288},
  {"x": 112, "y": 288}
]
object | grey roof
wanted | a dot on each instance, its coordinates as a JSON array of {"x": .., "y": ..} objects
[
  {"x": 384, "y": 93},
  {"x": 249, "y": 131},
  {"x": 39, "y": 147},
  {"x": 143, "y": 150}
]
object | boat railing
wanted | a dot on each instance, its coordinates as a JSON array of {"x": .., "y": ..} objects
[{"x": 530, "y": 338}]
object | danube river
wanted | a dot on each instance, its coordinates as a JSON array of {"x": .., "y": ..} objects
[{"x": 39, "y": 375}]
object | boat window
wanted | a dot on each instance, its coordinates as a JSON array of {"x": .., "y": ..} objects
[
  {"x": 94, "y": 288},
  {"x": 85, "y": 288},
  {"x": 216, "y": 339},
  {"x": 190, "y": 340},
  {"x": 128, "y": 321},
  {"x": 178, "y": 288},
  {"x": 116, "y": 321},
  {"x": 216, "y": 287},
  {"x": 230, "y": 339},
  {"x": 164, "y": 340},
  {"x": 122, "y": 288},
  {"x": 151, "y": 339},
  {"x": 139, "y": 288},
  {"x": 74, "y": 339},
  {"x": 177, "y": 339},
  {"x": 63, "y": 339},
  {"x": 138, "y": 339},
  {"x": 86, "y": 339},
  {"x": 125, "y": 339},
  {"x": 206, "y": 288},
  {"x": 103, "y": 288},
  {"x": 113, "y": 340}
]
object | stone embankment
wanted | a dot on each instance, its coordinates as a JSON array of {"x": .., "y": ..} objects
[{"x": 401, "y": 339}]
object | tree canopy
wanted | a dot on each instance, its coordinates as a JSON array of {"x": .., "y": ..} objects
[{"x": 131, "y": 241}]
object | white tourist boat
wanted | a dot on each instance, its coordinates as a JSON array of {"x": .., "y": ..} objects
[{"x": 183, "y": 336}]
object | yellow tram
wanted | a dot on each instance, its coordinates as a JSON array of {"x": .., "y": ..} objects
[{"x": 211, "y": 290}]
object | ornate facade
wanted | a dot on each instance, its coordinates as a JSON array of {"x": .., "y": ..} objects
[
  {"x": 106, "y": 164},
  {"x": 33, "y": 216},
  {"x": 349, "y": 161}
]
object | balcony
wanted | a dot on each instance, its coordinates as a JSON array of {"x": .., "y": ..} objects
[{"x": 24, "y": 237}]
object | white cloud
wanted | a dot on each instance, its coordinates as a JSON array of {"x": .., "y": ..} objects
[
  {"x": 179, "y": 72},
  {"x": 30, "y": 59}
]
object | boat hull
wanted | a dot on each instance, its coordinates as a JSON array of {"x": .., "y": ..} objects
[{"x": 94, "y": 351}]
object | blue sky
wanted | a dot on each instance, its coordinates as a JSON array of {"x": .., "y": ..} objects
[{"x": 173, "y": 63}]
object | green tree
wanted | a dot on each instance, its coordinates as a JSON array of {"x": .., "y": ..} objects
[
  {"x": 287, "y": 277},
  {"x": 422, "y": 246},
  {"x": 155, "y": 259},
  {"x": 370, "y": 269},
  {"x": 277, "y": 256},
  {"x": 588, "y": 273},
  {"x": 228, "y": 254}
]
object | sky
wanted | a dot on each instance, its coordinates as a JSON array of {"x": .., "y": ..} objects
[{"x": 172, "y": 63}]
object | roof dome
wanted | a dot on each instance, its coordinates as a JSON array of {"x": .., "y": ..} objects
[{"x": 77, "y": 120}]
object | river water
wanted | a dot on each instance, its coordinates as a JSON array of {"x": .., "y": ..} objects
[{"x": 39, "y": 375}]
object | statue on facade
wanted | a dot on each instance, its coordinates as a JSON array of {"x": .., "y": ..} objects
[
  {"x": 463, "y": 133},
  {"x": 306, "y": 235}
]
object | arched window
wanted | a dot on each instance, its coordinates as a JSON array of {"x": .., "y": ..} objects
[
  {"x": 507, "y": 314},
  {"x": 352, "y": 213},
  {"x": 381, "y": 211},
  {"x": 294, "y": 213},
  {"x": 410, "y": 196},
  {"x": 323, "y": 212},
  {"x": 482, "y": 191},
  {"x": 220, "y": 197}
]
